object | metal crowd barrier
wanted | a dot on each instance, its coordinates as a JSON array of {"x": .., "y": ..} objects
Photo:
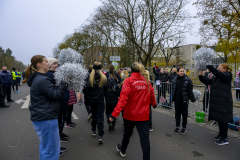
[{"x": 164, "y": 90}]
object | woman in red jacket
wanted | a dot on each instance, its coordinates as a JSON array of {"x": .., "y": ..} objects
[{"x": 137, "y": 93}]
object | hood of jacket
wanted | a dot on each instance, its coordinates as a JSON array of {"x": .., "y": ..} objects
[{"x": 32, "y": 76}]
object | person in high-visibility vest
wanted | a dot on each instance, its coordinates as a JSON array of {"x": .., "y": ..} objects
[
  {"x": 19, "y": 76},
  {"x": 14, "y": 77}
]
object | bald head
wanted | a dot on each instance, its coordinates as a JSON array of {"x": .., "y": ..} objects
[{"x": 4, "y": 68}]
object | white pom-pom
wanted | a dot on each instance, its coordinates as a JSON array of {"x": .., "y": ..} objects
[
  {"x": 70, "y": 55},
  {"x": 203, "y": 57},
  {"x": 197, "y": 94},
  {"x": 72, "y": 73}
]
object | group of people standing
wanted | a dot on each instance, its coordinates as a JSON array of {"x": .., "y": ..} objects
[
  {"x": 9, "y": 80},
  {"x": 51, "y": 105}
]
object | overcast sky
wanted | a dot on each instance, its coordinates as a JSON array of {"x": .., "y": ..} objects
[{"x": 31, "y": 27}]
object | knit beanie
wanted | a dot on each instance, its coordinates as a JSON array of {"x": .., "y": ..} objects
[{"x": 51, "y": 61}]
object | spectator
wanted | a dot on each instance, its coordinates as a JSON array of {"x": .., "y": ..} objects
[
  {"x": 7, "y": 82},
  {"x": 14, "y": 78},
  {"x": 44, "y": 106},
  {"x": 182, "y": 92},
  {"x": 221, "y": 103},
  {"x": 237, "y": 86},
  {"x": 2, "y": 97}
]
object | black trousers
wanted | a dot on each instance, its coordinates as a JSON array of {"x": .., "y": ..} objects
[
  {"x": 181, "y": 109},
  {"x": 97, "y": 109},
  {"x": 143, "y": 132},
  {"x": 69, "y": 114},
  {"x": 63, "y": 115},
  {"x": 7, "y": 92},
  {"x": 223, "y": 129},
  {"x": 15, "y": 83},
  {"x": 2, "y": 97},
  {"x": 18, "y": 81},
  {"x": 237, "y": 93},
  {"x": 150, "y": 117},
  {"x": 205, "y": 100},
  {"x": 109, "y": 110}
]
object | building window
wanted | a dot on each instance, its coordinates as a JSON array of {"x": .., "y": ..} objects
[{"x": 105, "y": 64}]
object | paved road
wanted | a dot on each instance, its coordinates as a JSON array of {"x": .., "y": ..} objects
[{"x": 18, "y": 140}]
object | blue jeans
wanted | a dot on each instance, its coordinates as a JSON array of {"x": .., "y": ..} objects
[{"x": 48, "y": 133}]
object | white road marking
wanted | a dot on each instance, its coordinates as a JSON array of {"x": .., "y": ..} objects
[
  {"x": 26, "y": 103},
  {"x": 19, "y": 101},
  {"x": 74, "y": 115}
]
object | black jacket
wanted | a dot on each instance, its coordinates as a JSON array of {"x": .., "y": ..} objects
[
  {"x": 95, "y": 93},
  {"x": 171, "y": 77},
  {"x": 116, "y": 75},
  {"x": 112, "y": 92},
  {"x": 221, "y": 103},
  {"x": 85, "y": 89},
  {"x": 187, "y": 90},
  {"x": 160, "y": 76},
  {"x": 44, "y": 97}
]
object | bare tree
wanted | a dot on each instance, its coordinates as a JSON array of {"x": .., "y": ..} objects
[{"x": 143, "y": 22}]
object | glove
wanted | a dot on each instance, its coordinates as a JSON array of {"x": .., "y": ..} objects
[
  {"x": 155, "y": 106},
  {"x": 64, "y": 83}
]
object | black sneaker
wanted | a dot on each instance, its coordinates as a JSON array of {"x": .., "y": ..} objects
[
  {"x": 74, "y": 124},
  {"x": 94, "y": 133},
  {"x": 183, "y": 131},
  {"x": 222, "y": 142},
  {"x": 118, "y": 147},
  {"x": 63, "y": 139},
  {"x": 122, "y": 125},
  {"x": 100, "y": 141},
  {"x": 4, "y": 106},
  {"x": 10, "y": 100},
  {"x": 176, "y": 130},
  {"x": 65, "y": 136},
  {"x": 60, "y": 154},
  {"x": 63, "y": 149},
  {"x": 217, "y": 138}
]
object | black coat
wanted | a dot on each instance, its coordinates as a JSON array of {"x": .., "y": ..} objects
[
  {"x": 116, "y": 75},
  {"x": 44, "y": 97},
  {"x": 187, "y": 90},
  {"x": 221, "y": 103},
  {"x": 95, "y": 93},
  {"x": 160, "y": 76},
  {"x": 171, "y": 77}
]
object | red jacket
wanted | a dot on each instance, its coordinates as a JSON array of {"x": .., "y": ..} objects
[{"x": 135, "y": 99}]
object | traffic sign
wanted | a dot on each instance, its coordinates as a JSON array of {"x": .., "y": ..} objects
[{"x": 115, "y": 58}]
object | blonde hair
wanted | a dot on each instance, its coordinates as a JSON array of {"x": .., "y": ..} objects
[
  {"x": 226, "y": 66},
  {"x": 125, "y": 74},
  {"x": 103, "y": 79},
  {"x": 145, "y": 74}
]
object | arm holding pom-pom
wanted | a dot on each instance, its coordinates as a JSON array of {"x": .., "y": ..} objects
[
  {"x": 204, "y": 80},
  {"x": 225, "y": 78}
]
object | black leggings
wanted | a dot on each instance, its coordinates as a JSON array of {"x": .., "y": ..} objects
[{"x": 69, "y": 114}]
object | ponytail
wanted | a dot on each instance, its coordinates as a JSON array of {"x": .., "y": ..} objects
[
  {"x": 29, "y": 71},
  {"x": 33, "y": 67}
]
